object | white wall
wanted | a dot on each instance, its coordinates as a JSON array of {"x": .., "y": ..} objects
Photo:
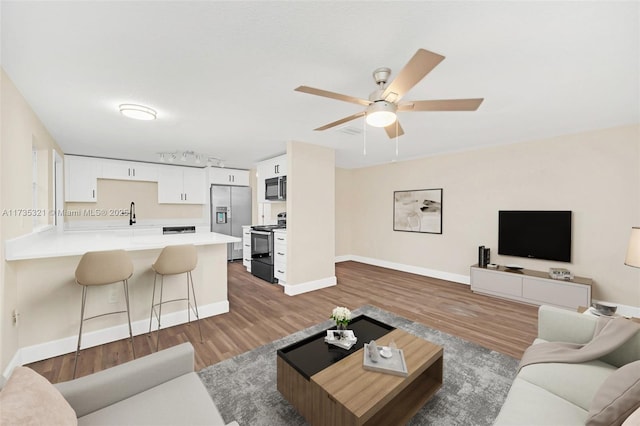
[{"x": 594, "y": 174}]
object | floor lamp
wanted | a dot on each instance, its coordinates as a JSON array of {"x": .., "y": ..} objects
[{"x": 633, "y": 252}]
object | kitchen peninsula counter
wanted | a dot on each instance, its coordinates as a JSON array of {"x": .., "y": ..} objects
[
  {"x": 42, "y": 271},
  {"x": 53, "y": 243}
]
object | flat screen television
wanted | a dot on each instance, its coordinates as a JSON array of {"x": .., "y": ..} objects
[{"x": 535, "y": 234}]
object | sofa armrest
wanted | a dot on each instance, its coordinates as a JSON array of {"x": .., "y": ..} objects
[
  {"x": 562, "y": 325},
  {"x": 95, "y": 391}
]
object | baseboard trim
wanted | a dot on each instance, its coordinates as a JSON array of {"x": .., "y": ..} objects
[
  {"x": 462, "y": 279},
  {"x": 54, "y": 348},
  {"x": 293, "y": 290}
]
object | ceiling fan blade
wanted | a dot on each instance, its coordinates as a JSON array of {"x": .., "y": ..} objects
[
  {"x": 342, "y": 120},
  {"x": 391, "y": 130},
  {"x": 332, "y": 95},
  {"x": 442, "y": 105},
  {"x": 418, "y": 66}
]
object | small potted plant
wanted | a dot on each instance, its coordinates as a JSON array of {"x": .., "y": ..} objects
[{"x": 341, "y": 316}]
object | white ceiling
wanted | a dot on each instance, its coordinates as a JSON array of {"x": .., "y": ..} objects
[{"x": 221, "y": 74}]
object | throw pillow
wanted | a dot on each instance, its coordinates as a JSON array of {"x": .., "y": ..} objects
[
  {"x": 29, "y": 399},
  {"x": 617, "y": 397}
]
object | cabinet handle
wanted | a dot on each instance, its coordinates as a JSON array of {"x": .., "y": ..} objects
[
  {"x": 280, "y": 239},
  {"x": 129, "y": 172},
  {"x": 280, "y": 254},
  {"x": 282, "y": 272},
  {"x": 134, "y": 172},
  {"x": 93, "y": 193},
  {"x": 185, "y": 196},
  {"x": 247, "y": 245}
]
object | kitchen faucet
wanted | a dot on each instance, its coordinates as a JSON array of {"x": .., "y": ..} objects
[{"x": 132, "y": 213}]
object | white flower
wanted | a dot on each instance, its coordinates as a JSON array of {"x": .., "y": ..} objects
[{"x": 341, "y": 315}]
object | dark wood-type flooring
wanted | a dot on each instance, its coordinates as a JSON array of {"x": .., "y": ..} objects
[{"x": 260, "y": 312}]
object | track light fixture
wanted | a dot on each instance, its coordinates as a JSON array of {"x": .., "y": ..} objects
[{"x": 190, "y": 156}]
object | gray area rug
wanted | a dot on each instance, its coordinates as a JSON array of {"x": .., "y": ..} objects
[{"x": 476, "y": 380}]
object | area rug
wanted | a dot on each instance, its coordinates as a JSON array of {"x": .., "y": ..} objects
[{"x": 476, "y": 380}]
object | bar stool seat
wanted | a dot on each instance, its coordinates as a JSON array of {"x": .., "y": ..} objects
[
  {"x": 100, "y": 268},
  {"x": 174, "y": 260}
]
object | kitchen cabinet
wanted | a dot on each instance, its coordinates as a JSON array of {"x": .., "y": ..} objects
[
  {"x": 280, "y": 255},
  {"x": 129, "y": 170},
  {"x": 246, "y": 247},
  {"x": 81, "y": 178},
  {"x": 533, "y": 287},
  {"x": 266, "y": 169},
  {"x": 220, "y": 176},
  {"x": 181, "y": 185},
  {"x": 273, "y": 167}
]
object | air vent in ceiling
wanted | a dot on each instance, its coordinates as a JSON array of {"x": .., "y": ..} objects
[{"x": 350, "y": 130}]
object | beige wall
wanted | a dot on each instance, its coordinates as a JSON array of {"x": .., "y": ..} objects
[
  {"x": 118, "y": 194},
  {"x": 594, "y": 174},
  {"x": 20, "y": 131},
  {"x": 310, "y": 213}
]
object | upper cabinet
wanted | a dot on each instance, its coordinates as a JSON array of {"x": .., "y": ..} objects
[
  {"x": 272, "y": 167},
  {"x": 129, "y": 170},
  {"x": 220, "y": 176},
  {"x": 81, "y": 178},
  {"x": 181, "y": 185}
]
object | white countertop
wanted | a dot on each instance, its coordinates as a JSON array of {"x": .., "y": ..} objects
[{"x": 53, "y": 243}]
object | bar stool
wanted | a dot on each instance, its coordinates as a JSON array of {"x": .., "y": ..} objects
[
  {"x": 174, "y": 260},
  {"x": 101, "y": 268}
]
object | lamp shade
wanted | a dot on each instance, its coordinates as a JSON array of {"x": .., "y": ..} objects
[{"x": 633, "y": 252}]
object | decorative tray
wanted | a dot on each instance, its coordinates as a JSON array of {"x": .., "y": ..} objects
[{"x": 394, "y": 364}]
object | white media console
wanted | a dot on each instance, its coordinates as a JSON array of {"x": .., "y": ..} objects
[{"x": 534, "y": 287}]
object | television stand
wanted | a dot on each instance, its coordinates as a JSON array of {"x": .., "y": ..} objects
[{"x": 532, "y": 287}]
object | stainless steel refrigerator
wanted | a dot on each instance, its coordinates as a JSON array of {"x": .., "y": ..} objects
[{"x": 230, "y": 210}]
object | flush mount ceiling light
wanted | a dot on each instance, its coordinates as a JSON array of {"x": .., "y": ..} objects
[
  {"x": 381, "y": 114},
  {"x": 139, "y": 112}
]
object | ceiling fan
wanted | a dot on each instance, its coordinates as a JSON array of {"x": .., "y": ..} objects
[{"x": 384, "y": 102}]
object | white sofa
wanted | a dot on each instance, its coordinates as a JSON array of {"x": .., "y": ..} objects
[
  {"x": 158, "y": 389},
  {"x": 562, "y": 394}
]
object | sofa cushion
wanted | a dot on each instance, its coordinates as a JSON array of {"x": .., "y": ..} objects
[
  {"x": 529, "y": 404},
  {"x": 617, "y": 398},
  {"x": 577, "y": 383},
  {"x": 29, "y": 399},
  {"x": 181, "y": 401}
]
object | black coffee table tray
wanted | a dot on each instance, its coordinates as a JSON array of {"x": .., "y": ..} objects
[{"x": 312, "y": 354}]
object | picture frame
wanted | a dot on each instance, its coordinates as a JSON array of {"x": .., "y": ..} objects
[{"x": 418, "y": 210}]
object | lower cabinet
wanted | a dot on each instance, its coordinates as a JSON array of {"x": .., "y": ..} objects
[
  {"x": 280, "y": 255},
  {"x": 246, "y": 247},
  {"x": 534, "y": 287}
]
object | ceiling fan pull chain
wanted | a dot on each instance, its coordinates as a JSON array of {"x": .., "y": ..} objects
[
  {"x": 364, "y": 137},
  {"x": 396, "y": 139}
]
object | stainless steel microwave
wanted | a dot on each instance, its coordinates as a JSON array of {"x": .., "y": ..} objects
[{"x": 275, "y": 188}]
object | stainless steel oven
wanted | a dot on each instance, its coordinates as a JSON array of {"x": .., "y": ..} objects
[
  {"x": 262, "y": 252},
  {"x": 261, "y": 244}
]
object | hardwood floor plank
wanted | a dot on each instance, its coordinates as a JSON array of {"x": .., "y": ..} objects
[{"x": 260, "y": 313}]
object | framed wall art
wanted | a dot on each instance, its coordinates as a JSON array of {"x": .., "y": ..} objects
[{"x": 418, "y": 210}]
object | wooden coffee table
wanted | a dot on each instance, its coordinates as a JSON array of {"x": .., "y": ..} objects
[{"x": 343, "y": 393}]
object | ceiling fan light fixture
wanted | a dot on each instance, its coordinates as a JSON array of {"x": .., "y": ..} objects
[
  {"x": 138, "y": 112},
  {"x": 381, "y": 114}
]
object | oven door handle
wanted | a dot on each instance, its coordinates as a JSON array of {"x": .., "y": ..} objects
[{"x": 261, "y": 232}]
